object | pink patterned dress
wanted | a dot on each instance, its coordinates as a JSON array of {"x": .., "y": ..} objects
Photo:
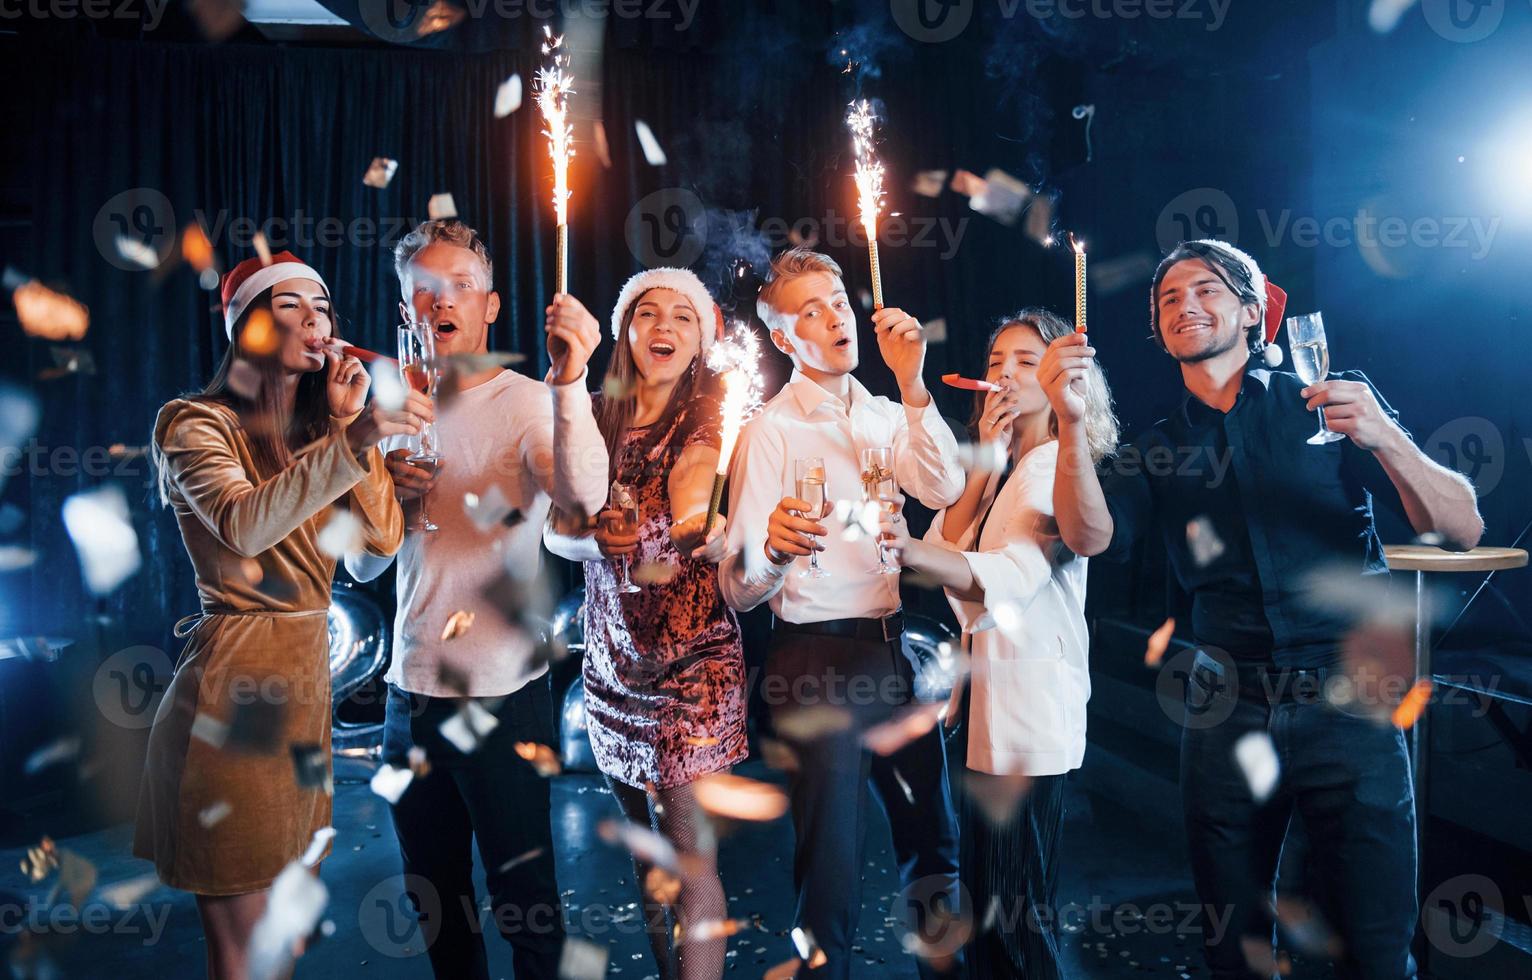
[{"x": 664, "y": 667}]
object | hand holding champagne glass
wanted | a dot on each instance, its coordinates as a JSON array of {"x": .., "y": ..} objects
[
  {"x": 878, "y": 484},
  {"x": 1311, "y": 359},
  {"x": 625, "y": 502},
  {"x": 419, "y": 369},
  {"x": 809, "y": 474}
]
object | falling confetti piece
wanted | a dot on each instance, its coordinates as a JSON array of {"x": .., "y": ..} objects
[
  {"x": 341, "y": 535},
  {"x": 1002, "y": 198},
  {"x": 805, "y": 723},
  {"x": 1159, "y": 642},
  {"x": 124, "y": 895},
  {"x": 97, "y": 523},
  {"x": 777, "y": 755},
  {"x": 701, "y": 741},
  {"x": 1409, "y": 710},
  {"x": 77, "y": 876},
  {"x": 52, "y": 754},
  {"x": 1039, "y": 223},
  {"x": 737, "y": 798},
  {"x": 1262, "y": 959},
  {"x": 317, "y": 845},
  {"x": 985, "y": 457},
  {"x": 1203, "y": 541},
  {"x": 294, "y": 904},
  {"x": 488, "y": 510},
  {"x": 1307, "y": 929},
  {"x": 388, "y": 388},
  {"x": 390, "y": 782},
  {"x": 311, "y": 766},
  {"x": 196, "y": 249},
  {"x": 651, "y": 146},
  {"x": 457, "y": 624},
  {"x": 139, "y": 253},
  {"x": 245, "y": 378},
  {"x": 440, "y": 16},
  {"x": 259, "y": 338},
  {"x": 508, "y": 96},
  {"x": 380, "y": 172},
  {"x": 654, "y": 572},
  {"x": 419, "y": 764},
  {"x": 786, "y": 970},
  {"x": 968, "y": 184},
  {"x": 710, "y": 930},
  {"x": 645, "y": 844},
  {"x": 544, "y": 760},
  {"x": 212, "y": 814},
  {"x": 1257, "y": 758},
  {"x": 998, "y": 797},
  {"x": 891, "y": 736},
  {"x": 468, "y": 726},
  {"x": 14, "y": 558},
  {"x": 603, "y": 149},
  {"x": 441, "y": 206},
  {"x": 262, "y": 247},
  {"x": 904, "y": 786},
  {"x": 40, "y": 861},
  {"x": 661, "y": 886},
  {"x": 49, "y": 314},
  {"x": 522, "y": 858},
  {"x": 582, "y": 960},
  {"x": 929, "y": 183}
]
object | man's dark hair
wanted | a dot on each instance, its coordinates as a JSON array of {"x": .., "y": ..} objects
[{"x": 1226, "y": 266}]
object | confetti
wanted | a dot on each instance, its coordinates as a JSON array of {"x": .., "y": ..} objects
[
  {"x": 968, "y": 184},
  {"x": 1159, "y": 642},
  {"x": 777, "y": 755},
  {"x": 1127, "y": 271},
  {"x": 419, "y": 764},
  {"x": 390, "y": 782},
  {"x": 661, "y": 886},
  {"x": 891, "y": 736},
  {"x": 317, "y": 846},
  {"x": 212, "y": 814},
  {"x": 651, "y": 146},
  {"x": 40, "y": 861},
  {"x": 441, "y": 206},
  {"x": 217, "y": 19},
  {"x": 262, "y": 247},
  {"x": 126, "y": 894},
  {"x": 457, "y": 624},
  {"x": 469, "y": 726},
  {"x": 137, "y": 252},
  {"x": 710, "y": 930},
  {"x": 929, "y": 183},
  {"x": 1409, "y": 710},
  {"x": 645, "y": 844},
  {"x": 654, "y": 572},
  {"x": 805, "y": 723},
  {"x": 77, "y": 876},
  {"x": 523, "y": 858},
  {"x": 904, "y": 786},
  {"x": 935, "y": 331},
  {"x": 196, "y": 250},
  {"x": 997, "y": 796},
  {"x": 1002, "y": 197},
  {"x": 53, "y": 754},
  {"x": 1306, "y": 927},
  {"x": 311, "y": 766},
  {"x": 259, "y": 338},
  {"x": 1203, "y": 541},
  {"x": 440, "y": 16},
  {"x": 544, "y": 760},
  {"x": 807, "y": 947},
  {"x": 1039, "y": 224},
  {"x": 97, "y": 523},
  {"x": 737, "y": 798},
  {"x": 582, "y": 960},
  {"x": 1257, "y": 758},
  {"x": 341, "y": 535},
  {"x": 603, "y": 149},
  {"x": 786, "y": 970},
  {"x": 49, "y": 314},
  {"x": 1262, "y": 959},
  {"x": 296, "y": 901},
  {"x": 245, "y": 379},
  {"x": 702, "y": 741},
  {"x": 256, "y": 726},
  {"x": 986, "y": 457},
  {"x": 380, "y": 172},
  {"x": 388, "y": 388},
  {"x": 508, "y": 96}
]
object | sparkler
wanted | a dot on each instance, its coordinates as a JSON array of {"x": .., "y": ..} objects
[
  {"x": 554, "y": 86},
  {"x": 1079, "y": 283},
  {"x": 869, "y": 186},
  {"x": 737, "y": 359}
]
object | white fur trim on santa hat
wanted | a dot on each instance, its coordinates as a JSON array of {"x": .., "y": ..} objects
[
  {"x": 261, "y": 280},
  {"x": 683, "y": 281}
]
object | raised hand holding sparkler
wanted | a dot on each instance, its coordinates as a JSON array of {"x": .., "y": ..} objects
[
  {"x": 869, "y": 186},
  {"x": 902, "y": 343},
  {"x": 554, "y": 85}
]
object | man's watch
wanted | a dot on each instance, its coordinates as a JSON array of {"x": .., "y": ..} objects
[{"x": 776, "y": 557}]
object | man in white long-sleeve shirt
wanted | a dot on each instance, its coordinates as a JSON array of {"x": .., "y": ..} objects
[
  {"x": 836, "y": 640},
  {"x": 518, "y": 445}
]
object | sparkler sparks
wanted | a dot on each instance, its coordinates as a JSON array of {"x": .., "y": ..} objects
[
  {"x": 737, "y": 359},
  {"x": 869, "y": 186},
  {"x": 554, "y": 85}
]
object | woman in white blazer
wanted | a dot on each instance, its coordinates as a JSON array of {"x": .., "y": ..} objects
[{"x": 1019, "y": 596}]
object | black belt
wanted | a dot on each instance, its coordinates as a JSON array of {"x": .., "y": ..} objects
[
  {"x": 885, "y": 630},
  {"x": 1283, "y": 685}
]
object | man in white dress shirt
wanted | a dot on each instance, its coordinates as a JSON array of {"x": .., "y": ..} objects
[
  {"x": 519, "y": 445},
  {"x": 836, "y": 660}
]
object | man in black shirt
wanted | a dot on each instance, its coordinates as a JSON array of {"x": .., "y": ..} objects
[{"x": 1231, "y": 468}]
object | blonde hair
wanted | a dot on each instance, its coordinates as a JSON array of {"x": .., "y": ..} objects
[
  {"x": 794, "y": 263},
  {"x": 1101, "y": 427},
  {"x": 449, "y": 230}
]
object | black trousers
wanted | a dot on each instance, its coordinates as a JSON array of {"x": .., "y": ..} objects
[
  {"x": 1011, "y": 871},
  {"x": 864, "y": 683},
  {"x": 496, "y": 797},
  {"x": 1347, "y": 777}
]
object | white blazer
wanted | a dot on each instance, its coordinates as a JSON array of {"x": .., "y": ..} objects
[{"x": 1029, "y": 642}]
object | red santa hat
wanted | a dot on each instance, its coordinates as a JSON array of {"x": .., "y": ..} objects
[
  {"x": 251, "y": 278},
  {"x": 1273, "y": 299},
  {"x": 683, "y": 281}
]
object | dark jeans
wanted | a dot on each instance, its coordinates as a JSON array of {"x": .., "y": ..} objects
[
  {"x": 871, "y": 682},
  {"x": 1011, "y": 871},
  {"x": 1348, "y": 779},
  {"x": 492, "y": 795}
]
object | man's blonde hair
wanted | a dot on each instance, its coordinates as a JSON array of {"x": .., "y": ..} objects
[
  {"x": 789, "y": 265},
  {"x": 449, "y": 230}
]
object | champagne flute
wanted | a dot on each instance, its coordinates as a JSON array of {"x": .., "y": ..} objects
[
  {"x": 878, "y": 484},
  {"x": 419, "y": 369},
  {"x": 809, "y": 475},
  {"x": 625, "y": 501},
  {"x": 1311, "y": 359}
]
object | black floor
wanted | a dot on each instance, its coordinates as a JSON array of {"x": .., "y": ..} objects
[{"x": 1125, "y": 897}]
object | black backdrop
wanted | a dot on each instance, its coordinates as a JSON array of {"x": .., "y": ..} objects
[{"x": 748, "y": 105}]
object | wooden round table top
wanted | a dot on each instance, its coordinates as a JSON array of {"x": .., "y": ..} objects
[{"x": 1424, "y": 558}]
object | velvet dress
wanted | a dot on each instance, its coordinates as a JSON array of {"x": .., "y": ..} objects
[{"x": 222, "y": 808}]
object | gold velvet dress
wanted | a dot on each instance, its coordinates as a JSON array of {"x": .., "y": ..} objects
[{"x": 221, "y": 809}]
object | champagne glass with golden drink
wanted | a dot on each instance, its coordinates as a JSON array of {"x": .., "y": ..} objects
[
  {"x": 1311, "y": 359},
  {"x": 625, "y": 502},
  {"x": 878, "y": 484},
  {"x": 420, "y": 371},
  {"x": 809, "y": 473}
]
